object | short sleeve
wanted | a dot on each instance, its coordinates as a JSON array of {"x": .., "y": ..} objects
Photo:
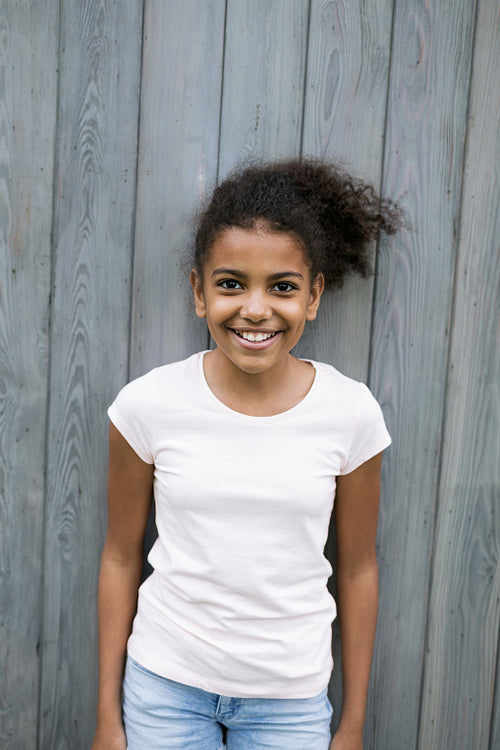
[
  {"x": 370, "y": 434},
  {"x": 133, "y": 415}
]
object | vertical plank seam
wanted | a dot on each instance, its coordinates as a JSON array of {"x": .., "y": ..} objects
[
  {"x": 377, "y": 250},
  {"x": 494, "y": 694},
  {"x": 53, "y": 230},
  {"x": 136, "y": 187},
  {"x": 445, "y": 396},
  {"x": 496, "y": 679},
  {"x": 219, "y": 134},
  {"x": 306, "y": 71},
  {"x": 381, "y": 188}
]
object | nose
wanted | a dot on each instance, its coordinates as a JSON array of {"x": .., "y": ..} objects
[{"x": 255, "y": 306}]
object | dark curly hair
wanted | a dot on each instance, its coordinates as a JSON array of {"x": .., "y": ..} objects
[{"x": 332, "y": 214}]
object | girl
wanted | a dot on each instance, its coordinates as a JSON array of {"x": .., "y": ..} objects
[{"x": 245, "y": 447}]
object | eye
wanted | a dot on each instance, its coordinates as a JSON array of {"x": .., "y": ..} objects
[
  {"x": 229, "y": 284},
  {"x": 284, "y": 286}
]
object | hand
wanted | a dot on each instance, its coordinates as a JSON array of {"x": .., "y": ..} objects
[
  {"x": 110, "y": 739},
  {"x": 347, "y": 740}
]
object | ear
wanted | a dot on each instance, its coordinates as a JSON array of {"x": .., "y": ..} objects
[
  {"x": 317, "y": 288},
  {"x": 199, "y": 299}
]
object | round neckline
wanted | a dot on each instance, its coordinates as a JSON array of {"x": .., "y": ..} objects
[{"x": 250, "y": 417}]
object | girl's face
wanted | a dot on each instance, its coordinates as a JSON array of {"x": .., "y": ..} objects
[{"x": 256, "y": 295}]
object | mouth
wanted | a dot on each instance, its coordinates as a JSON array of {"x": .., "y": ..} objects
[
  {"x": 255, "y": 339},
  {"x": 255, "y": 336}
]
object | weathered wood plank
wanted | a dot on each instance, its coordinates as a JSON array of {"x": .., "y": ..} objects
[
  {"x": 348, "y": 64},
  {"x": 180, "y": 111},
  {"x": 28, "y": 34},
  {"x": 427, "y": 111},
  {"x": 96, "y": 152},
  {"x": 264, "y": 68},
  {"x": 264, "y": 56},
  {"x": 346, "y": 92},
  {"x": 344, "y": 114},
  {"x": 180, "y": 114},
  {"x": 495, "y": 713},
  {"x": 464, "y": 611}
]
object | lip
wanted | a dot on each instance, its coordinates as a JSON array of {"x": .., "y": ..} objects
[{"x": 254, "y": 345}]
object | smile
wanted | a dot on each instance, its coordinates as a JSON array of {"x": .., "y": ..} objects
[{"x": 248, "y": 336}]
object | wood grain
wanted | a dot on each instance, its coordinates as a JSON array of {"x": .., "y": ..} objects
[
  {"x": 180, "y": 110},
  {"x": 426, "y": 126},
  {"x": 495, "y": 709},
  {"x": 344, "y": 117},
  {"x": 264, "y": 68},
  {"x": 464, "y": 615},
  {"x": 264, "y": 56},
  {"x": 179, "y": 139},
  {"x": 96, "y": 157},
  {"x": 439, "y": 520},
  {"x": 28, "y": 32}
]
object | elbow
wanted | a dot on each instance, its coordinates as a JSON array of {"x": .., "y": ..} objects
[
  {"x": 127, "y": 557},
  {"x": 365, "y": 568}
]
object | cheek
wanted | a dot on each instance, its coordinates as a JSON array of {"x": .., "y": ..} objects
[
  {"x": 218, "y": 309},
  {"x": 301, "y": 309}
]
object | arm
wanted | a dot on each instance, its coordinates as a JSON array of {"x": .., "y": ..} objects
[
  {"x": 129, "y": 502},
  {"x": 356, "y": 511}
]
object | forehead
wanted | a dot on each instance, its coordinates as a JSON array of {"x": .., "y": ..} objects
[{"x": 257, "y": 250}]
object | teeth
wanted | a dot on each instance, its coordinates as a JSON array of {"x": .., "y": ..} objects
[{"x": 254, "y": 336}]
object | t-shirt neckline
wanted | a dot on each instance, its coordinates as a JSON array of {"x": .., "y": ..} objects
[{"x": 250, "y": 417}]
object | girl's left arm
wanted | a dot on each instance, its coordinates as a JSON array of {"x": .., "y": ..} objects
[{"x": 356, "y": 512}]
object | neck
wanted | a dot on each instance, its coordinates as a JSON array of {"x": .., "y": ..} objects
[
  {"x": 226, "y": 373},
  {"x": 262, "y": 394}
]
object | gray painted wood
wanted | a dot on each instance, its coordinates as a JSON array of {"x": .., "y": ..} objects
[
  {"x": 264, "y": 57},
  {"x": 344, "y": 119},
  {"x": 464, "y": 612},
  {"x": 28, "y": 34},
  {"x": 426, "y": 126},
  {"x": 257, "y": 121},
  {"x": 180, "y": 111},
  {"x": 345, "y": 79},
  {"x": 95, "y": 191},
  {"x": 495, "y": 711},
  {"x": 180, "y": 114}
]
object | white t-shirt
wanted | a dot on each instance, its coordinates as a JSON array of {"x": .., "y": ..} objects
[{"x": 237, "y": 603}]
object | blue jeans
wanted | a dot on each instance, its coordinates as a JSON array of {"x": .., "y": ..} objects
[{"x": 160, "y": 713}]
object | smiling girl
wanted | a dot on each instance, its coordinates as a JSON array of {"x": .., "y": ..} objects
[{"x": 245, "y": 448}]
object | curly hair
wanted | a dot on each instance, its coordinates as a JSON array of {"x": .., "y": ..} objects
[{"x": 332, "y": 214}]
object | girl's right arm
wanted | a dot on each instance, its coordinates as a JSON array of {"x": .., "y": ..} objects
[{"x": 130, "y": 482}]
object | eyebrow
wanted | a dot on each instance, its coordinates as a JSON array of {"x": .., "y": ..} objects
[{"x": 271, "y": 277}]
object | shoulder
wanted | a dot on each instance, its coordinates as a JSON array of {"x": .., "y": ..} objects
[
  {"x": 144, "y": 404},
  {"x": 354, "y": 413},
  {"x": 145, "y": 396},
  {"x": 341, "y": 388},
  {"x": 348, "y": 395},
  {"x": 160, "y": 381},
  {"x": 180, "y": 373}
]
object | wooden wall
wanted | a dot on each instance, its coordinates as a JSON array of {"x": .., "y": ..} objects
[{"x": 115, "y": 120}]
